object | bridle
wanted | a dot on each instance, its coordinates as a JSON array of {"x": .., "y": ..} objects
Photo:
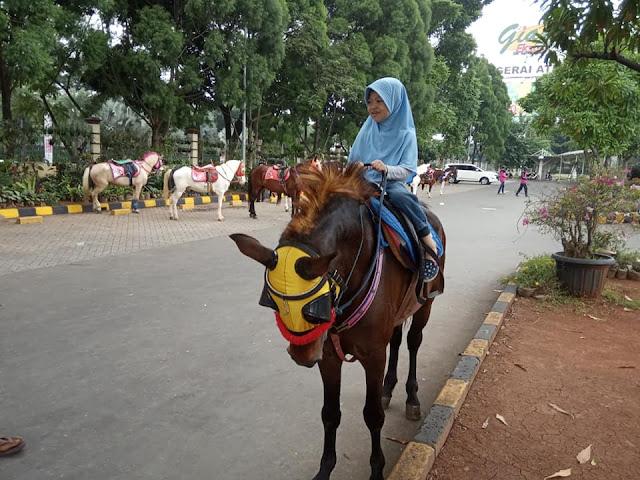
[
  {"x": 223, "y": 172},
  {"x": 157, "y": 166}
]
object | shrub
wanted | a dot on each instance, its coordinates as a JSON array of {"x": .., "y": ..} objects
[{"x": 535, "y": 272}]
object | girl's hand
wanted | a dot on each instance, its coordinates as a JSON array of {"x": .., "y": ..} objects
[{"x": 379, "y": 166}]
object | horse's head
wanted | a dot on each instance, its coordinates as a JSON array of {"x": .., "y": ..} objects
[
  {"x": 298, "y": 287},
  {"x": 240, "y": 173},
  {"x": 303, "y": 280}
]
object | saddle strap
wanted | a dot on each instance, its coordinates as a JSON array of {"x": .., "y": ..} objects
[{"x": 335, "y": 338}]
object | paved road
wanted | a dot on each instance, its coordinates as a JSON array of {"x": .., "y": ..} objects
[{"x": 132, "y": 347}]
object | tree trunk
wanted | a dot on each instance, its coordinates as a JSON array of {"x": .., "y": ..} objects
[
  {"x": 7, "y": 115},
  {"x": 226, "y": 114}
]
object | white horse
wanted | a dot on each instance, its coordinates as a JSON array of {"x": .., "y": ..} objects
[
  {"x": 415, "y": 182},
  {"x": 181, "y": 179},
  {"x": 99, "y": 175}
]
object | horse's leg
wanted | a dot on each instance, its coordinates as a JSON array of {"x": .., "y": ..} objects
[
  {"x": 429, "y": 189},
  {"x": 391, "y": 378},
  {"x": 414, "y": 340},
  {"x": 373, "y": 411},
  {"x": 331, "y": 371},
  {"x": 442, "y": 187},
  {"x": 175, "y": 198},
  {"x": 97, "y": 190},
  {"x": 220, "y": 198}
]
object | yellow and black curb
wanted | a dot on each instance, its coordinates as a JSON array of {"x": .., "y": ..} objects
[
  {"x": 24, "y": 212},
  {"x": 419, "y": 455}
]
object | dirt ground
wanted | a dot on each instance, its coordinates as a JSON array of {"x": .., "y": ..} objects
[{"x": 580, "y": 358}]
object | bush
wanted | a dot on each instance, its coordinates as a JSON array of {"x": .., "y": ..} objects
[
  {"x": 625, "y": 259},
  {"x": 535, "y": 272}
]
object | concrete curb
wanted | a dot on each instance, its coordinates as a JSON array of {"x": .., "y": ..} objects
[
  {"x": 8, "y": 213},
  {"x": 420, "y": 454}
]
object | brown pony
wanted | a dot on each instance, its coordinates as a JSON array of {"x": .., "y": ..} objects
[
  {"x": 345, "y": 274},
  {"x": 289, "y": 185},
  {"x": 431, "y": 177}
]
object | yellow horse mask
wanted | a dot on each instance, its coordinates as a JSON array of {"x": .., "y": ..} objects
[{"x": 303, "y": 308}]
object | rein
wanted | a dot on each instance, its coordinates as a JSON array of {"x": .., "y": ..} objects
[
  {"x": 230, "y": 180},
  {"x": 142, "y": 163},
  {"x": 375, "y": 271}
]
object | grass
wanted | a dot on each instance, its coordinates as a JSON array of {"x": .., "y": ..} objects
[{"x": 618, "y": 299}]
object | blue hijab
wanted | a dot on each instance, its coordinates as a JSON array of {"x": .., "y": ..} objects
[{"x": 393, "y": 140}]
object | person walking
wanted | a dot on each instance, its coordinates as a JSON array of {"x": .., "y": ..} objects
[
  {"x": 502, "y": 178},
  {"x": 523, "y": 183}
]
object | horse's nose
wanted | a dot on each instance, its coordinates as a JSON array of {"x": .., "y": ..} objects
[{"x": 302, "y": 357}]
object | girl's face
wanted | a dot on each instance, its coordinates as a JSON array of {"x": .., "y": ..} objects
[{"x": 377, "y": 108}]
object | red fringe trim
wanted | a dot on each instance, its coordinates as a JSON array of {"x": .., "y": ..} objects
[{"x": 308, "y": 337}]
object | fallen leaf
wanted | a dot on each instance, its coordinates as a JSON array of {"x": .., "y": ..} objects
[
  {"x": 520, "y": 366},
  {"x": 596, "y": 318},
  {"x": 501, "y": 418},
  {"x": 556, "y": 407},
  {"x": 627, "y": 309},
  {"x": 593, "y": 462},
  {"x": 626, "y": 366},
  {"x": 628, "y": 299},
  {"x": 485, "y": 424},
  {"x": 560, "y": 473},
  {"x": 399, "y": 440},
  {"x": 584, "y": 455}
]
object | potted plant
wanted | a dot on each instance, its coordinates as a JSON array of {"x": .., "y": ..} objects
[{"x": 575, "y": 216}]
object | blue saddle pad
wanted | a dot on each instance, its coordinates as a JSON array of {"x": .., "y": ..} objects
[{"x": 390, "y": 219}]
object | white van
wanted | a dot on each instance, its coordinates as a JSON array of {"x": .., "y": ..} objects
[{"x": 467, "y": 172}]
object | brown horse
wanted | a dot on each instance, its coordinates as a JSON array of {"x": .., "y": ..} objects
[
  {"x": 344, "y": 294},
  {"x": 431, "y": 177},
  {"x": 285, "y": 181}
]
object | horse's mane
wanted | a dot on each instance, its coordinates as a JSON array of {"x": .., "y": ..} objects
[{"x": 320, "y": 187}]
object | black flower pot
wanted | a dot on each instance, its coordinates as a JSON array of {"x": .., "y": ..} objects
[{"x": 583, "y": 277}]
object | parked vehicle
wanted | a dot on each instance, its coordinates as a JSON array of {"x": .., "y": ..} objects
[{"x": 468, "y": 172}]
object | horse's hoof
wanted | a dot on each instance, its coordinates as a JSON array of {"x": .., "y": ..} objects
[
  {"x": 385, "y": 402},
  {"x": 135, "y": 211},
  {"x": 412, "y": 412},
  {"x": 253, "y": 215},
  {"x": 221, "y": 219}
]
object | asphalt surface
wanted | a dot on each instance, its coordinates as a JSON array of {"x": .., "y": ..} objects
[{"x": 132, "y": 347}]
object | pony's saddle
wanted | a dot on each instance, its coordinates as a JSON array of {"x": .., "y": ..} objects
[
  {"x": 280, "y": 174},
  {"x": 401, "y": 238},
  {"x": 124, "y": 168},
  {"x": 206, "y": 173}
]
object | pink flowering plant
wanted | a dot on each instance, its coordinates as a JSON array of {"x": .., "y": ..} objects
[{"x": 575, "y": 215}]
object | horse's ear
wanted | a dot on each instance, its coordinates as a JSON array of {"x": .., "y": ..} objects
[
  {"x": 312, "y": 267},
  {"x": 252, "y": 248}
]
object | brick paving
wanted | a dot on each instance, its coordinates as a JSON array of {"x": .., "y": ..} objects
[{"x": 71, "y": 238}]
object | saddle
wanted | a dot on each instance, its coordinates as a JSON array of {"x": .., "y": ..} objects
[
  {"x": 401, "y": 238},
  {"x": 277, "y": 173},
  {"x": 124, "y": 168},
  {"x": 206, "y": 173}
]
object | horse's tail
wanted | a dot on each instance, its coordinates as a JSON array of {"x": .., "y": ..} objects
[
  {"x": 168, "y": 176},
  {"x": 86, "y": 184},
  {"x": 249, "y": 187}
]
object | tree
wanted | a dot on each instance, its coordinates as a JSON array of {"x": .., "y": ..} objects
[
  {"x": 491, "y": 128},
  {"x": 596, "y": 104},
  {"x": 28, "y": 35},
  {"x": 591, "y": 29}
]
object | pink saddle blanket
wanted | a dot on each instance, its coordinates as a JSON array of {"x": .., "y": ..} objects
[
  {"x": 274, "y": 174},
  {"x": 208, "y": 173},
  {"x": 118, "y": 170}
]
